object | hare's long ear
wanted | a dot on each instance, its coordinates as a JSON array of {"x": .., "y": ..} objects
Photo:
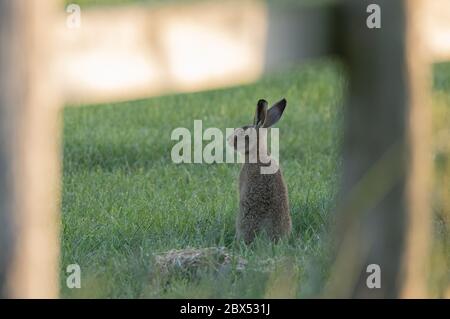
[
  {"x": 260, "y": 114},
  {"x": 274, "y": 113}
]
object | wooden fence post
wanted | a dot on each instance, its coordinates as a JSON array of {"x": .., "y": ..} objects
[
  {"x": 28, "y": 151},
  {"x": 383, "y": 209},
  {"x": 416, "y": 257},
  {"x": 6, "y": 160}
]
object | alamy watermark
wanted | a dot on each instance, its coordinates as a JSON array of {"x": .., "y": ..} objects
[
  {"x": 73, "y": 20},
  {"x": 373, "y": 21},
  {"x": 250, "y": 144},
  {"x": 74, "y": 276},
  {"x": 374, "y": 279}
]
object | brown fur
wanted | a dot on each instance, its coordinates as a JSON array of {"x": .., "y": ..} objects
[
  {"x": 263, "y": 198},
  {"x": 263, "y": 204}
]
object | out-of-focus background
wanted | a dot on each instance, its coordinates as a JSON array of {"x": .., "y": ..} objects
[{"x": 365, "y": 130}]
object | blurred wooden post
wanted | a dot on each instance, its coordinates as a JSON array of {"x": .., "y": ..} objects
[
  {"x": 383, "y": 213},
  {"x": 9, "y": 78},
  {"x": 6, "y": 178},
  {"x": 418, "y": 233},
  {"x": 29, "y": 155}
]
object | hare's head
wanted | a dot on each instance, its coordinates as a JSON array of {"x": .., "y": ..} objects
[{"x": 252, "y": 138}]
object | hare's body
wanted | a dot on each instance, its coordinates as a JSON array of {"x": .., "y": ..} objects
[
  {"x": 263, "y": 196},
  {"x": 263, "y": 204}
]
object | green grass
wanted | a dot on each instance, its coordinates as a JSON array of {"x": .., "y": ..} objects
[{"x": 123, "y": 198}]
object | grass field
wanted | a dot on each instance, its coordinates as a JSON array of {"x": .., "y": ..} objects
[{"x": 124, "y": 200}]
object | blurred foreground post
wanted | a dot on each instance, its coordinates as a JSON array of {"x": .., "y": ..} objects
[
  {"x": 6, "y": 179},
  {"x": 418, "y": 234},
  {"x": 384, "y": 215},
  {"x": 29, "y": 156}
]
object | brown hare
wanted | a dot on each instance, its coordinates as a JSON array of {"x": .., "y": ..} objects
[{"x": 263, "y": 197}]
